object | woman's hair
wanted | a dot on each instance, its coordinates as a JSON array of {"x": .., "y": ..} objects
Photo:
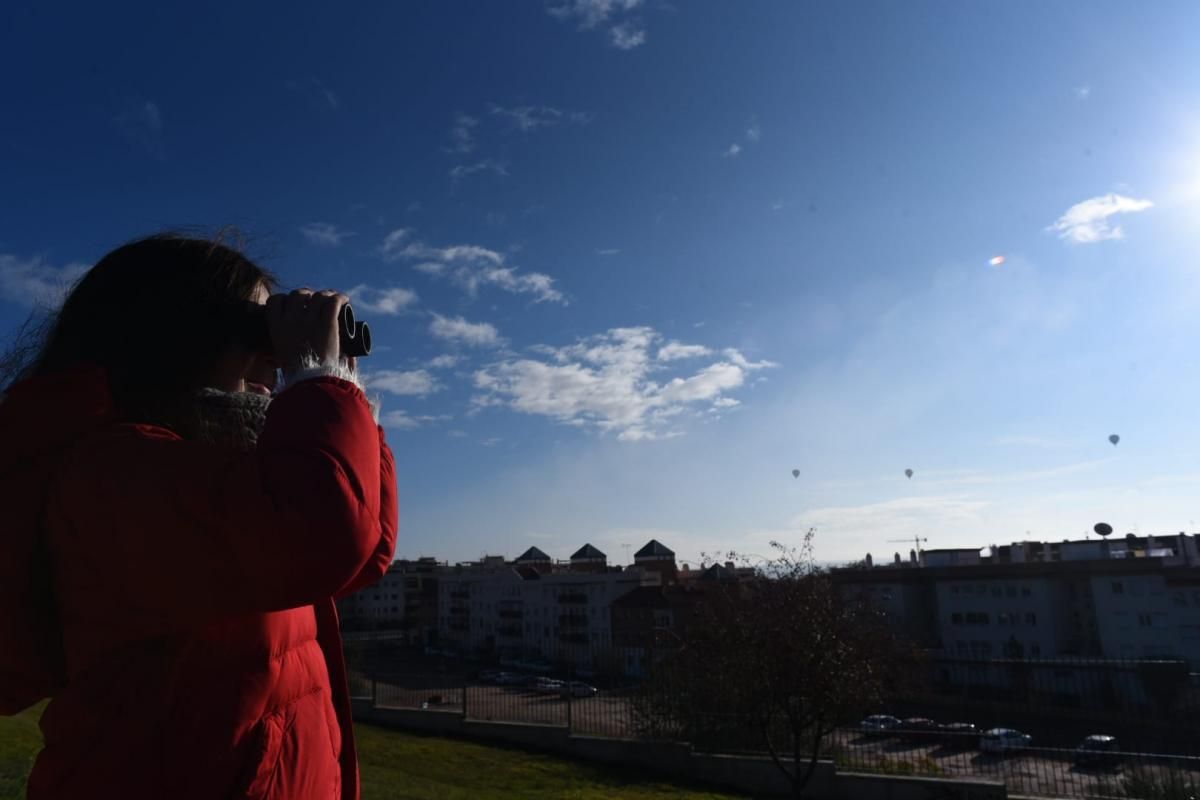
[{"x": 157, "y": 314}]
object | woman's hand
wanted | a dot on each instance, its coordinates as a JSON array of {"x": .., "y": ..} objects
[{"x": 304, "y": 325}]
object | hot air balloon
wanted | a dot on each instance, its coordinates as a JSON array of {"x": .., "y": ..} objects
[
  {"x": 795, "y": 473},
  {"x": 908, "y": 473},
  {"x": 1114, "y": 439}
]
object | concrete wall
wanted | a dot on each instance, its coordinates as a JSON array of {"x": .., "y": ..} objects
[{"x": 756, "y": 776}]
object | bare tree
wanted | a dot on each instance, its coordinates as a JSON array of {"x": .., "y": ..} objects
[{"x": 778, "y": 662}]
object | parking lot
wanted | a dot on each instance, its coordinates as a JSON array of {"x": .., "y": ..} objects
[{"x": 1035, "y": 771}]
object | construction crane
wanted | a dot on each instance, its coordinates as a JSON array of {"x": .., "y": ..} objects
[{"x": 914, "y": 541}]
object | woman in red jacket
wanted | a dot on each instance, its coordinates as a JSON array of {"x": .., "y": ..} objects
[{"x": 174, "y": 535}]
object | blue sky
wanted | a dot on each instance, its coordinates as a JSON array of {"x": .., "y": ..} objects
[{"x": 629, "y": 263}]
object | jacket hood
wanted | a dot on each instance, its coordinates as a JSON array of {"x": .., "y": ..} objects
[{"x": 40, "y": 419}]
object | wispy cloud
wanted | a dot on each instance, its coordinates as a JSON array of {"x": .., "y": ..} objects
[
  {"x": 1088, "y": 222},
  {"x": 734, "y": 150},
  {"x": 672, "y": 351},
  {"x": 486, "y": 165},
  {"x": 34, "y": 283},
  {"x": 460, "y": 331},
  {"x": 324, "y": 233},
  {"x": 530, "y": 118},
  {"x": 754, "y": 132},
  {"x": 394, "y": 244},
  {"x": 471, "y": 267},
  {"x": 318, "y": 94},
  {"x": 1082, "y": 92},
  {"x": 611, "y": 382},
  {"x": 627, "y": 35},
  {"x": 752, "y": 135},
  {"x": 444, "y": 361},
  {"x": 141, "y": 123},
  {"x": 625, "y": 31},
  {"x": 462, "y": 134},
  {"x": 402, "y": 420},
  {"x": 416, "y": 382},
  {"x": 900, "y": 518},
  {"x": 391, "y": 301},
  {"x": 608, "y": 251}
]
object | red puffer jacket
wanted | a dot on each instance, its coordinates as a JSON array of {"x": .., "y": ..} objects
[{"x": 176, "y": 598}]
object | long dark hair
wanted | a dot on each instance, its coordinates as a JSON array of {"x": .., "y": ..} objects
[{"x": 157, "y": 314}]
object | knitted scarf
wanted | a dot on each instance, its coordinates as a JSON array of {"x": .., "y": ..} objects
[{"x": 225, "y": 419}]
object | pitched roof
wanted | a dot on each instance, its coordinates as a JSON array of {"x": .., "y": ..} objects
[
  {"x": 533, "y": 554},
  {"x": 718, "y": 572},
  {"x": 585, "y": 552},
  {"x": 654, "y": 549}
]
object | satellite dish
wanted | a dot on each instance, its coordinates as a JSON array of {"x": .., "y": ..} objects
[
  {"x": 908, "y": 474},
  {"x": 1114, "y": 439},
  {"x": 795, "y": 473},
  {"x": 1102, "y": 528}
]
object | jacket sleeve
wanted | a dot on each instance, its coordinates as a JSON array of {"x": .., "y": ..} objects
[
  {"x": 389, "y": 522},
  {"x": 160, "y": 533}
]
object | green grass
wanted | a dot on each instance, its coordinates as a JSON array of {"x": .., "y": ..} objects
[{"x": 402, "y": 766}]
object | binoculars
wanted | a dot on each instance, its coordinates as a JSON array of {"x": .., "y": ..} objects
[{"x": 354, "y": 338}]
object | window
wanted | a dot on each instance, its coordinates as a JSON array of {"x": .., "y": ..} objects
[
  {"x": 1010, "y": 590},
  {"x": 1002, "y": 618},
  {"x": 997, "y": 591},
  {"x": 1030, "y": 618},
  {"x": 956, "y": 618},
  {"x": 1178, "y": 599},
  {"x": 1144, "y": 620},
  {"x": 954, "y": 589},
  {"x": 1035, "y": 650},
  {"x": 1026, "y": 591},
  {"x": 1118, "y": 587}
]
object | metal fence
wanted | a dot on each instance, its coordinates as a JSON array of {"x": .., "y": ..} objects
[{"x": 939, "y": 727}]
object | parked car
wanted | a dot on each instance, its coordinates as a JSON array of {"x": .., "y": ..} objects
[
  {"x": 958, "y": 735},
  {"x": 918, "y": 728},
  {"x": 879, "y": 723},
  {"x": 1003, "y": 740},
  {"x": 1098, "y": 750},
  {"x": 549, "y": 686},
  {"x": 578, "y": 689}
]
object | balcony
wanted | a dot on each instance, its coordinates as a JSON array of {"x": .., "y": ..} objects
[
  {"x": 573, "y": 598},
  {"x": 509, "y": 631},
  {"x": 573, "y": 620},
  {"x": 510, "y": 613},
  {"x": 460, "y": 594},
  {"x": 459, "y": 610}
]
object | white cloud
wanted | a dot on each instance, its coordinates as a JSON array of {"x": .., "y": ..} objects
[
  {"x": 726, "y": 402},
  {"x": 391, "y": 301},
  {"x": 462, "y": 134},
  {"x": 318, "y": 94},
  {"x": 590, "y": 13},
  {"x": 487, "y": 165},
  {"x": 491, "y": 442},
  {"x": 675, "y": 350},
  {"x": 444, "y": 361},
  {"x": 325, "y": 233},
  {"x": 392, "y": 246},
  {"x": 34, "y": 283},
  {"x": 141, "y": 122},
  {"x": 900, "y": 518},
  {"x": 472, "y": 267},
  {"x": 608, "y": 382},
  {"x": 734, "y": 150},
  {"x": 1087, "y": 222},
  {"x": 417, "y": 382},
  {"x": 754, "y": 132},
  {"x": 1082, "y": 92},
  {"x": 530, "y": 118},
  {"x": 627, "y": 35},
  {"x": 402, "y": 420},
  {"x": 608, "y": 251},
  {"x": 457, "y": 329}
]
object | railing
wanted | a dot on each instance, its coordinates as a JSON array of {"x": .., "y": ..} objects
[
  {"x": 573, "y": 598},
  {"x": 1152, "y": 708},
  {"x": 573, "y": 620}
]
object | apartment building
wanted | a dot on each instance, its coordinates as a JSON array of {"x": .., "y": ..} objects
[
  {"x": 534, "y": 608},
  {"x": 1129, "y": 598},
  {"x": 404, "y": 600}
]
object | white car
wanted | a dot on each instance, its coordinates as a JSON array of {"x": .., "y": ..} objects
[
  {"x": 1000, "y": 740},
  {"x": 879, "y": 723}
]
